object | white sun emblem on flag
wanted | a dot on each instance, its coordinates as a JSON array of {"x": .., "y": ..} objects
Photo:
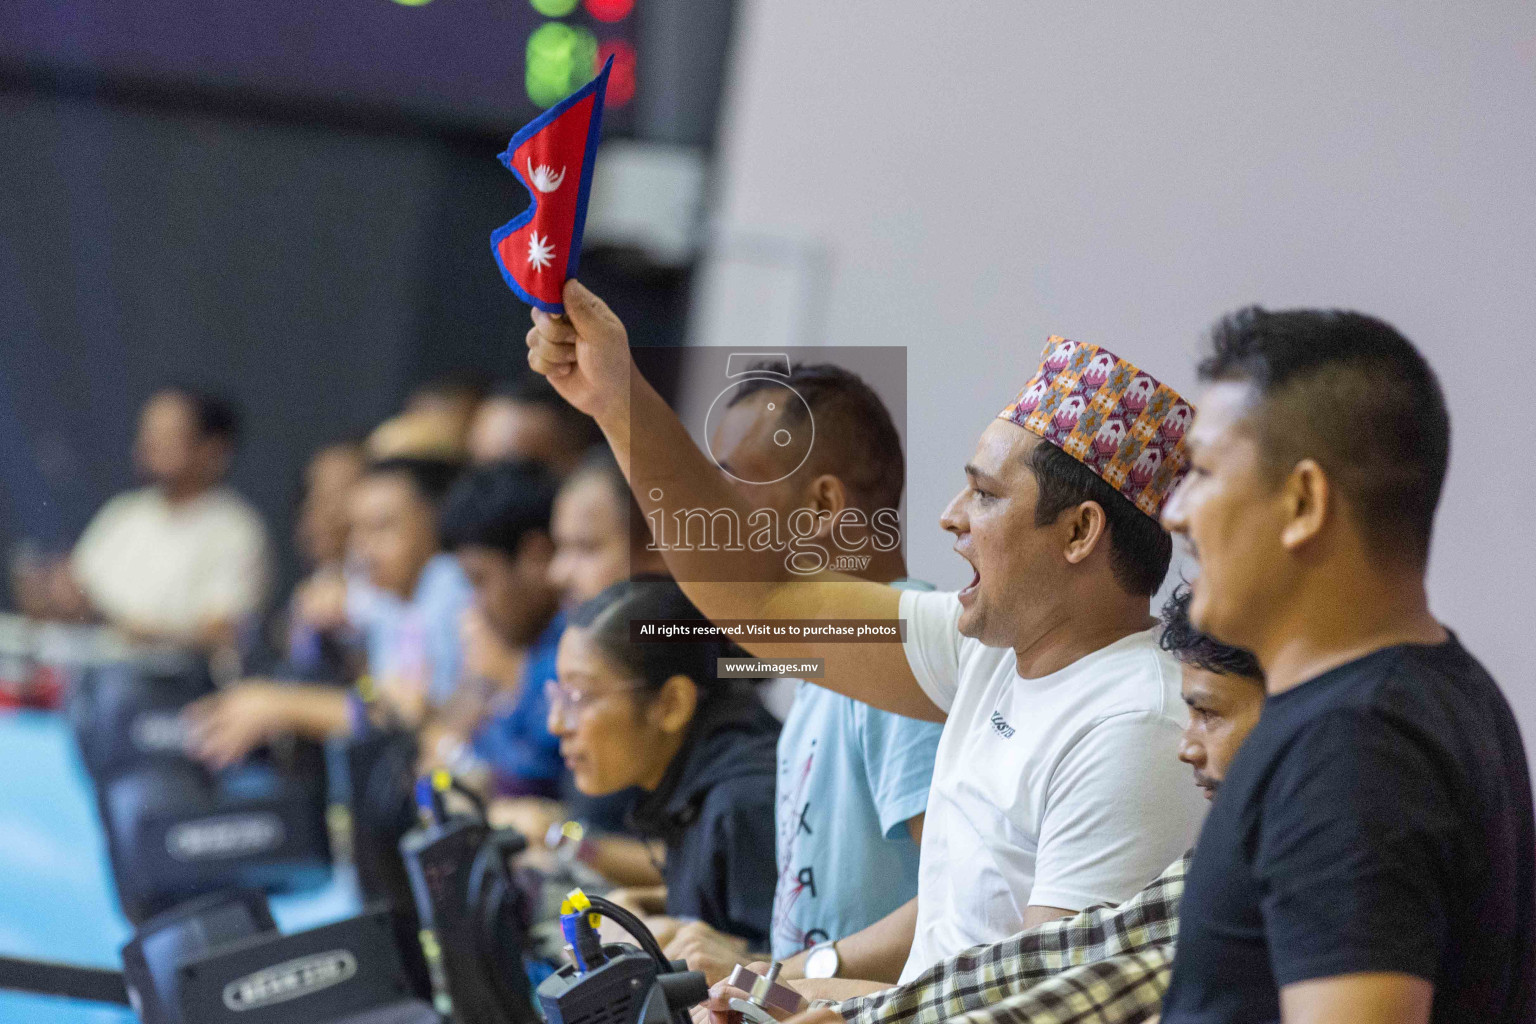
[{"x": 540, "y": 253}]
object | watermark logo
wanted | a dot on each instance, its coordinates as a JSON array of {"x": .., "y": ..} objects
[
  {"x": 768, "y": 374},
  {"x": 776, "y": 425},
  {"x": 811, "y": 541}
]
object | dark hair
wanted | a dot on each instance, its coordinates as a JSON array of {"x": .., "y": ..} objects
[
  {"x": 1139, "y": 548},
  {"x": 1352, "y": 393},
  {"x": 534, "y": 389},
  {"x": 856, "y": 439},
  {"x": 496, "y": 506},
  {"x": 599, "y": 462},
  {"x": 431, "y": 478},
  {"x": 1181, "y": 639},
  {"x": 214, "y": 415},
  {"x": 652, "y": 663}
]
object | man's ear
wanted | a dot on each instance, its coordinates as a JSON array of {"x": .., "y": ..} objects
[
  {"x": 672, "y": 708},
  {"x": 826, "y": 496},
  {"x": 1085, "y": 526},
  {"x": 1308, "y": 500}
]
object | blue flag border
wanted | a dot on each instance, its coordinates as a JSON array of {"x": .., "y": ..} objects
[{"x": 598, "y": 85}]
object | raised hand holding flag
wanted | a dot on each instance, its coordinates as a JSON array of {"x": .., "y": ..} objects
[{"x": 540, "y": 247}]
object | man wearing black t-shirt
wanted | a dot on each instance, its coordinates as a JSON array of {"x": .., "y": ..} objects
[{"x": 1369, "y": 857}]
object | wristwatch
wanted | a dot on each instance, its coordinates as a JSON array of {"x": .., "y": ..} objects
[
  {"x": 568, "y": 841},
  {"x": 822, "y": 961}
]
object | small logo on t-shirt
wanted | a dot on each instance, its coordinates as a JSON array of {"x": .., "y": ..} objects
[{"x": 1001, "y": 725}]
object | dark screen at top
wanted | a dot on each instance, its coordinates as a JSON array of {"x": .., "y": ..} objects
[{"x": 459, "y": 61}]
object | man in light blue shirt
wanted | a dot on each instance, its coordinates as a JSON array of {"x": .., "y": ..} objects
[
  {"x": 408, "y": 611},
  {"x": 852, "y": 782},
  {"x": 852, "y": 788},
  {"x": 417, "y": 594},
  {"x": 413, "y": 640}
]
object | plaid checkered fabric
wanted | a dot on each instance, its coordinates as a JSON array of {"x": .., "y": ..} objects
[
  {"x": 983, "y": 977},
  {"x": 1125, "y": 989}
]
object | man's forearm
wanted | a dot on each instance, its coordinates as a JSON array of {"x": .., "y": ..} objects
[
  {"x": 586, "y": 356},
  {"x": 318, "y": 712},
  {"x": 682, "y": 477},
  {"x": 877, "y": 953}
]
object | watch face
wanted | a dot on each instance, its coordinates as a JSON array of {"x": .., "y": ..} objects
[{"x": 822, "y": 963}]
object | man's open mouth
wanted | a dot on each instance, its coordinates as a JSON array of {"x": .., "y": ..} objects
[{"x": 969, "y": 590}]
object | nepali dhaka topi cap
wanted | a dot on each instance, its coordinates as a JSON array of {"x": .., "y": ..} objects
[{"x": 1124, "y": 424}]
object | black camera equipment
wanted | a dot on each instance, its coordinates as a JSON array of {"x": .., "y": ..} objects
[
  {"x": 174, "y": 829},
  {"x": 616, "y": 983},
  {"x": 475, "y": 917},
  {"x": 127, "y": 714},
  {"x": 220, "y": 960},
  {"x": 376, "y": 771},
  {"x": 474, "y": 913}
]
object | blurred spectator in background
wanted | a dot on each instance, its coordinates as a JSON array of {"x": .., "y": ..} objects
[
  {"x": 451, "y": 401},
  {"x": 653, "y": 715},
  {"x": 428, "y": 433},
  {"x": 184, "y": 559},
  {"x": 320, "y": 643},
  {"x": 408, "y": 606},
  {"x": 528, "y": 420},
  {"x": 600, "y": 535},
  {"x": 599, "y": 540},
  {"x": 496, "y": 522},
  {"x": 417, "y": 594}
]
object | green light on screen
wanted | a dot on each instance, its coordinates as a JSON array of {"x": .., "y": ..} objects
[
  {"x": 413, "y": 3},
  {"x": 554, "y": 8},
  {"x": 560, "y": 60}
]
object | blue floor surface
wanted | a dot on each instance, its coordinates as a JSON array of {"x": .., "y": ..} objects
[{"x": 56, "y": 895}]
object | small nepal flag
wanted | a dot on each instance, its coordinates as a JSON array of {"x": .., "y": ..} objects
[{"x": 553, "y": 157}]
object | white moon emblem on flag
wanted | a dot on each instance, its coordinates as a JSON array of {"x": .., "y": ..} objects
[
  {"x": 544, "y": 177},
  {"x": 540, "y": 253}
]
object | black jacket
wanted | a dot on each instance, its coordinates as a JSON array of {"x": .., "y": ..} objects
[{"x": 714, "y": 810}]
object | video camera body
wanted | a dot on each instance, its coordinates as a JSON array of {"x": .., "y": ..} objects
[
  {"x": 476, "y": 912},
  {"x": 616, "y": 983},
  {"x": 221, "y": 960},
  {"x": 375, "y": 774},
  {"x": 176, "y": 830}
]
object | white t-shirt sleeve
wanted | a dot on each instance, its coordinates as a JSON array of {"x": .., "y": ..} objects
[
  {"x": 932, "y": 643},
  {"x": 234, "y": 583},
  {"x": 1120, "y": 807},
  {"x": 91, "y": 558}
]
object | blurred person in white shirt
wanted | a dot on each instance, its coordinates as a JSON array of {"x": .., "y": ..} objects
[{"x": 184, "y": 559}]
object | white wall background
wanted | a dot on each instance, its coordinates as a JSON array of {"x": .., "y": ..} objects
[{"x": 975, "y": 176}]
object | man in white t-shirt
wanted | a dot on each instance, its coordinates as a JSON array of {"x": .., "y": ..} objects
[
  {"x": 184, "y": 559},
  {"x": 1052, "y": 788}
]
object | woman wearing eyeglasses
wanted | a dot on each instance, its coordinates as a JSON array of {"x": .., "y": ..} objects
[{"x": 653, "y": 715}]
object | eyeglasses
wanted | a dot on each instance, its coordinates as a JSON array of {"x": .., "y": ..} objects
[{"x": 566, "y": 704}]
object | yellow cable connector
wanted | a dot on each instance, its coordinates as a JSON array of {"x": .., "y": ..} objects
[
  {"x": 578, "y": 900},
  {"x": 442, "y": 780},
  {"x": 364, "y": 687}
]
